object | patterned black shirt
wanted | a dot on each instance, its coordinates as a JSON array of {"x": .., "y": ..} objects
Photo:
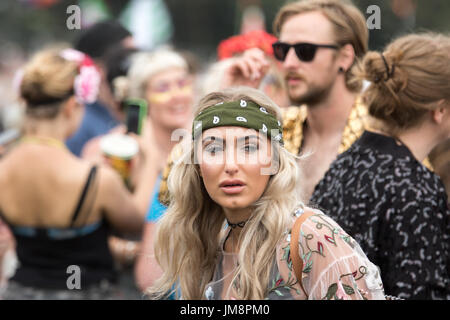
[{"x": 396, "y": 209}]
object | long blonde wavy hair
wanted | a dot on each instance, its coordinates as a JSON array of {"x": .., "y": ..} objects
[{"x": 188, "y": 237}]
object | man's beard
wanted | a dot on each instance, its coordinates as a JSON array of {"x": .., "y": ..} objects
[
  {"x": 312, "y": 97},
  {"x": 314, "y": 94}
]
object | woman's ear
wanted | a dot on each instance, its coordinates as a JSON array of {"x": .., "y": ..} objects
[
  {"x": 440, "y": 112},
  {"x": 70, "y": 106}
]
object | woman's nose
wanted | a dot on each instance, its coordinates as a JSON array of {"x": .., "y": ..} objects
[{"x": 231, "y": 165}]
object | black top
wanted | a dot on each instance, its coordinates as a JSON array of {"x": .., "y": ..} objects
[
  {"x": 47, "y": 255},
  {"x": 396, "y": 209}
]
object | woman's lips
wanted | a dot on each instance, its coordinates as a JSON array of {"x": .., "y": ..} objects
[
  {"x": 232, "y": 186},
  {"x": 177, "y": 111},
  {"x": 232, "y": 189}
]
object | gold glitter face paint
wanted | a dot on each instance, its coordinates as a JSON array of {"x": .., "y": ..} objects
[{"x": 165, "y": 93}]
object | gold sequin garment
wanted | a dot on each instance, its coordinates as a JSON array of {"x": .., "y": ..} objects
[{"x": 294, "y": 119}]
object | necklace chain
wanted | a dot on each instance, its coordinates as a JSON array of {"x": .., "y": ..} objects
[{"x": 44, "y": 141}]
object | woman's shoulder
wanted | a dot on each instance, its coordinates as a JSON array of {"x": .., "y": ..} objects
[
  {"x": 319, "y": 228},
  {"x": 311, "y": 216}
]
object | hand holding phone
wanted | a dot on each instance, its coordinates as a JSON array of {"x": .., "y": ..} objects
[{"x": 136, "y": 111}]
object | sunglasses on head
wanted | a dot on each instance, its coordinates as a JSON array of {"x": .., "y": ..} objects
[{"x": 305, "y": 51}]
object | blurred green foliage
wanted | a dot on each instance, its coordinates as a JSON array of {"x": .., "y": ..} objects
[{"x": 200, "y": 24}]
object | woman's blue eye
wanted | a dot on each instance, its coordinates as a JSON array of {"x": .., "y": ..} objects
[{"x": 213, "y": 149}]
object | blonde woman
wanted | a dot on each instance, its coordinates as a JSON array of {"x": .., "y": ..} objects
[
  {"x": 378, "y": 190},
  {"x": 234, "y": 200},
  {"x": 162, "y": 79},
  {"x": 61, "y": 209}
]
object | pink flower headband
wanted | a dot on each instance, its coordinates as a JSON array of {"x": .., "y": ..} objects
[{"x": 87, "y": 82}]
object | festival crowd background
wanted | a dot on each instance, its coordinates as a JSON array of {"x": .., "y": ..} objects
[{"x": 196, "y": 30}]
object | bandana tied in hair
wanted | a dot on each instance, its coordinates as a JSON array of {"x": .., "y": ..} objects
[{"x": 240, "y": 113}]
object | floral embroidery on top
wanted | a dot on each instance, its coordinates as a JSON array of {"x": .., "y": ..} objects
[
  {"x": 341, "y": 291},
  {"x": 335, "y": 267},
  {"x": 311, "y": 251}
]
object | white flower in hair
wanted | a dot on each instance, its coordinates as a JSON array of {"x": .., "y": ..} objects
[
  {"x": 216, "y": 120},
  {"x": 243, "y": 103},
  {"x": 241, "y": 119},
  {"x": 87, "y": 84},
  {"x": 72, "y": 55}
]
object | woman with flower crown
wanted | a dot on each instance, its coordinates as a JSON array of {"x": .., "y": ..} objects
[
  {"x": 60, "y": 208},
  {"x": 236, "y": 227}
]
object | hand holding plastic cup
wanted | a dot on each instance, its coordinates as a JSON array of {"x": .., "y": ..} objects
[{"x": 119, "y": 151}]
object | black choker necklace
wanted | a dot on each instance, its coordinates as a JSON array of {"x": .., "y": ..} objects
[{"x": 235, "y": 225}]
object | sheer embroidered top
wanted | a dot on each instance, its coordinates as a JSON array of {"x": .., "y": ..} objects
[{"x": 334, "y": 267}]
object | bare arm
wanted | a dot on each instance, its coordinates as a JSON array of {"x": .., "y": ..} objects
[
  {"x": 124, "y": 210},
  {"x": 147, "y": 270},
  {"x": 6, "y": 244}
]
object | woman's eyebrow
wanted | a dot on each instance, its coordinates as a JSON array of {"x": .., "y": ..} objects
[
  {"x": 210, "y": 139},
  {"x": 246, "y": 138}
]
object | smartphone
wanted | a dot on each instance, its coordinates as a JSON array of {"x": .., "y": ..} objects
[{"x": 136, "y": 111}]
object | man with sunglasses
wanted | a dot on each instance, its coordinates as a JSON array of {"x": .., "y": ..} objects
[{"x": 319, "y": 42}]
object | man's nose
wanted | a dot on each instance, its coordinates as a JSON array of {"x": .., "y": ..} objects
[{"x": 291, "y": 61}]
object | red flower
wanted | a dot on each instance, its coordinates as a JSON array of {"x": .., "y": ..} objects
[{"x": 240, "y": 43}]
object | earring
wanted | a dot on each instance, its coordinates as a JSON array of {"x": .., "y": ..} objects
[{"x": 341, "y": 70}]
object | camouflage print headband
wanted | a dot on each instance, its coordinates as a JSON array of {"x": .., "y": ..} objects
[{"x": 241, "y": 113}]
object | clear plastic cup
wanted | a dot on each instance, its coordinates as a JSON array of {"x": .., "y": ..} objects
[{"x": 119, "y": 150}]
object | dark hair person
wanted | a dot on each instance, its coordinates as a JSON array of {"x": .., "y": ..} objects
[
  {"x": 60, "y": 208},
  {"x": 99, "y": 41},
  {"x": 378, "y": 190}
]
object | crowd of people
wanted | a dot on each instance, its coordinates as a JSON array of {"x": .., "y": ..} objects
[{"x": 299, "y": 165}]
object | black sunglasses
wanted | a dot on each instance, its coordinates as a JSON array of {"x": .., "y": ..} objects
[{"x": 305, "y": 51}]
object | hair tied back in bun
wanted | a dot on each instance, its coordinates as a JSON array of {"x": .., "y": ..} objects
[{"x": 389, "y": 71}]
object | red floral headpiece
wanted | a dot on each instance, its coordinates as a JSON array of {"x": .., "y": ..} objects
[{"x": 238, "y": 44}]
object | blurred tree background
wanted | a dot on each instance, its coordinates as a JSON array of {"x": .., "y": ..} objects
[{"x": 197, "y": 25}]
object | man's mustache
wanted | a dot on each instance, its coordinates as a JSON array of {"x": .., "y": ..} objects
[{"x": 294, "y": 75}]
